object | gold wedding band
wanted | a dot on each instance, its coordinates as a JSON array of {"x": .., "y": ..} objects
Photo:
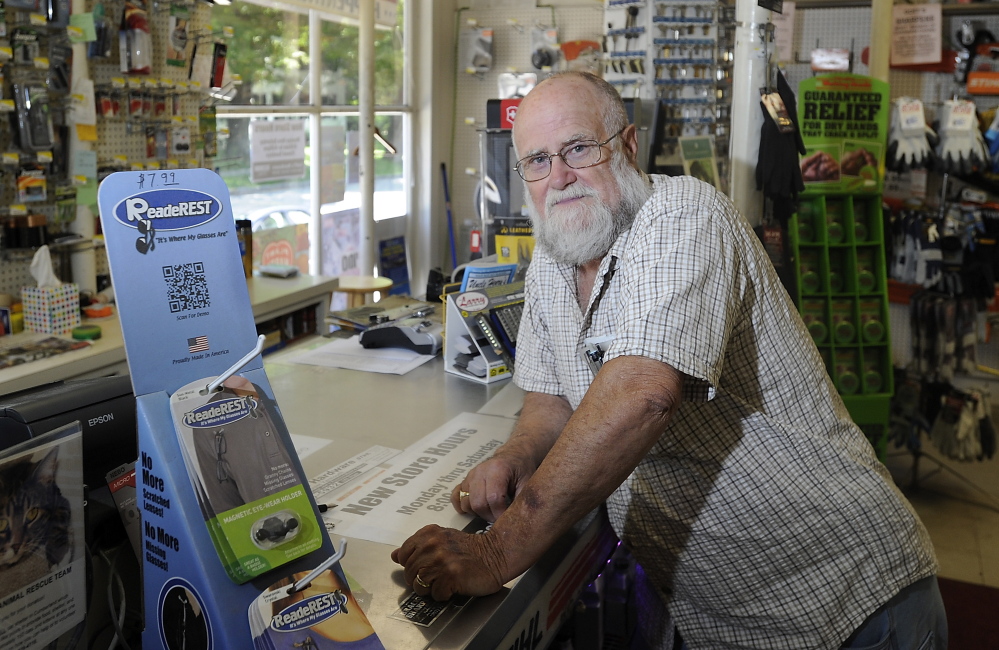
[
  {"x": 462, "y": 494},
  {"x": 418, "y": 580}
]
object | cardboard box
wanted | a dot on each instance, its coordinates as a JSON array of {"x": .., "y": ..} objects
[{"x": 51, "y": 310}]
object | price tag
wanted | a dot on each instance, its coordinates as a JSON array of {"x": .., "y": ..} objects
[
  {"x": 911, "y": 116},
  {"x": 961, "y": 116}
]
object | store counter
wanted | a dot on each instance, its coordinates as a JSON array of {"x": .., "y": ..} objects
[
  {"x": 269, "y": 297},
  {"x": 357, "y": 410}
]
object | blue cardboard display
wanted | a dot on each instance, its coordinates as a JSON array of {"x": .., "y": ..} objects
[{"x": 185, "y": 314}]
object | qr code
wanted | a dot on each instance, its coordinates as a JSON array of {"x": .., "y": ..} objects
[{"x": 187, "y": 288}]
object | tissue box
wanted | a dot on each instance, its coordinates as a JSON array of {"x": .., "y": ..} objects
[{"x": 51, "y": 310}]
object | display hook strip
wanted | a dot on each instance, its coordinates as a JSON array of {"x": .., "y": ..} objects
[{"x": 312, "y": 575}]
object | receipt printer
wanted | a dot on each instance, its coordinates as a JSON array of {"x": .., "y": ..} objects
[{"x": 417, "y": 334}]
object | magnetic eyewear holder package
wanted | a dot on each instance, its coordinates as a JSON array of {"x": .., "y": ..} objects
[{"x": 216, "y": 527}]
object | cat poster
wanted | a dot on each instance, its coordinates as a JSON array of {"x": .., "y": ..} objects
[{"x": 42, "y": 557}]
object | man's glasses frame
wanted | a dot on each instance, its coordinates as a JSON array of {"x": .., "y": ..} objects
[{"x": 578, "y": 151}]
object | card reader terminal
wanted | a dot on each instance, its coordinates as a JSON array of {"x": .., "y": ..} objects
[{"x": 417, "y": 334}]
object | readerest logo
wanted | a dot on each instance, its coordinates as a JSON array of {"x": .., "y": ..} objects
[
  {"x": 309, "y": 611},
  {"x": 225, "y": 411},
  {"x": 173, "y": 209}
]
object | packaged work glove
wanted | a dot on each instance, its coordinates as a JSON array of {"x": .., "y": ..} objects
[
  {"x": 910, "y": 140},
  {"x": 962, "y": 148}
]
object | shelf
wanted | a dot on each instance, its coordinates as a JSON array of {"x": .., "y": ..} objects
[{"x": 953, "y": 9}]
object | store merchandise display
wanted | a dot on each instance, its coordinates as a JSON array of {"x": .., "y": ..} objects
[
  {"x": 156, "y": 89},
  {"x": 679, "y": 56},
  {"x": 36, "y": 194},
  {"x": 910, "y": 140},
  {"x": 961, "y": 148}
]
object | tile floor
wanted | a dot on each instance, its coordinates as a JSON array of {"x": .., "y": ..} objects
[{"x": 962, "y": 521}]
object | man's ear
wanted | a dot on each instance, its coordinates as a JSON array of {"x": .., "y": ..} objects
[{"x": 630, "y": 139}]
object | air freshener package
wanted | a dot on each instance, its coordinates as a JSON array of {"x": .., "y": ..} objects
[
  {"x": 320, "y": 615},
  {"x": 237, "y": 454}
]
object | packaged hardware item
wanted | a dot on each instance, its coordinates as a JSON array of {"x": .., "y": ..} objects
[
  {"x": 235, "y": 449},
  {"x": 33, "y": 120}
]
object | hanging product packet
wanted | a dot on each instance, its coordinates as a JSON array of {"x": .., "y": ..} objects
[
  {"x": 235, "y": 449},
  {"x": 314, "y": 612}
]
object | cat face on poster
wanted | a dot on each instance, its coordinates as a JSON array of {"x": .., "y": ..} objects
[{"x": 35, "y": 518}]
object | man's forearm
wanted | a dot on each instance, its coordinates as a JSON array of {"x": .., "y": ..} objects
[
  {"x": 623, "y": 414},
  {"x": 542, "y": 419}
]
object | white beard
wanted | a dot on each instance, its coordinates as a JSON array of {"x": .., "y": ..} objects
[{"x": 575, "y": 234}]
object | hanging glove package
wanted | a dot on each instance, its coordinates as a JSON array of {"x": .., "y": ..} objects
[
  {"x": 962, "y": 148},
  {"x": 777, "y": 170},
  {"x": 909, "y": 138}
]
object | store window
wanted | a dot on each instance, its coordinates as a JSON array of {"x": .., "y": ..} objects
[{"x": 269, "y": 50}]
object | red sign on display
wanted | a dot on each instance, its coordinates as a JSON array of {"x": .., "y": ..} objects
[{"x": 508, "y": 112}]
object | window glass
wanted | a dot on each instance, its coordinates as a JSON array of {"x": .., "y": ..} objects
[
  {"x": 261, "y": 202},
  {"x": 340, "y": 67},
  {"x": 269, "y": 50},
  {"x": 390, "y": 198}
]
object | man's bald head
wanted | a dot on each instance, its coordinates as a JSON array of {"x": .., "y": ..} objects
[{"x": 574, "y": 86}]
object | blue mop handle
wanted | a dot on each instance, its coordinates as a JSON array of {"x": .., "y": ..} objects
[{"x": 450, "y": 223}]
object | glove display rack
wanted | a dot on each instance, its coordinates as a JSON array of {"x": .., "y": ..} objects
[
  {"x": 676, "y": 55},
  {"x": 837, "y": 241}
]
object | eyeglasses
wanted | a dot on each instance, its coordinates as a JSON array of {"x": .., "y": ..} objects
[
  {"x": 222, "y": 468},
  {"x": 578, "y": 155}
]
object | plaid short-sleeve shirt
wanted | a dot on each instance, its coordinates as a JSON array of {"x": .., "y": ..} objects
[{"x": 762, "y": 513}]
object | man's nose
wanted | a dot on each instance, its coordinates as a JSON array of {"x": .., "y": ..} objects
[{"x": 562, "y": 175}]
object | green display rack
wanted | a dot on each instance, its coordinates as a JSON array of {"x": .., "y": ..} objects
[{"x": 837, "y": 241}]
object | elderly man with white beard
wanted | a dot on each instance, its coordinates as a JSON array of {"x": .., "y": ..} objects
[{"x": 729, "y": 466}]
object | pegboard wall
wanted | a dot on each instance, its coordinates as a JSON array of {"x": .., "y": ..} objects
[
  {"x": 144, "y": 120},
  {"x": 850, "y": 28},
  {"x": 840, "y": 28},
  {"x": 150, "y": 121},
  {"x": 512, "y": 25}
]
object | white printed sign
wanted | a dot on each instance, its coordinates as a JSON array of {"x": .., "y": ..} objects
[
  {"x": 414, "y": 488},
  {"x": 915, "y": 36},
  {"x": 277, "y": 150}
]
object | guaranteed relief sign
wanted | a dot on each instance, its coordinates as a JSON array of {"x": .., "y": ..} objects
[{"x": 844, "y": 124}]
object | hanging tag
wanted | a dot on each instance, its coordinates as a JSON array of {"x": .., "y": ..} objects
[
  {"x": 324, "y": 615},
  {"x": 777, "y": 110},
  {"x": 961, "y": 117},
  {"x": 910, "y": 115}
]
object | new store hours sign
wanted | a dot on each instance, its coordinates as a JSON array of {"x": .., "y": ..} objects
[{"x": 844, "y": 125}]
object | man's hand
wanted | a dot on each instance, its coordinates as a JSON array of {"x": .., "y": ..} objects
[
  {"x": 441, "y": 562},
  {"x": 491, "y": 485}
]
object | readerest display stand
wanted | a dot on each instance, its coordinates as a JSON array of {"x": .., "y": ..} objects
[{"x": 185, "y": 315}]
